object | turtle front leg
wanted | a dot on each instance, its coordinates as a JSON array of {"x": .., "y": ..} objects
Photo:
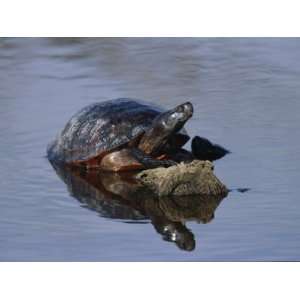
[{"x": 148, "y": 161}]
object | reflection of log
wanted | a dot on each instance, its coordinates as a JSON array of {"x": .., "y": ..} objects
[{"x": 196, "y": 177}]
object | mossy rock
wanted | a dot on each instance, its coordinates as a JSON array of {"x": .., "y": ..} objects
[{"x": 183, "y": 179}]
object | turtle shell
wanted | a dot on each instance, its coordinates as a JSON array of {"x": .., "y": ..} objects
[{"x": 102, "y": 127}]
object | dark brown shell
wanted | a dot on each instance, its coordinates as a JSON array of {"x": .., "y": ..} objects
[{"x": 100, "y": 128}]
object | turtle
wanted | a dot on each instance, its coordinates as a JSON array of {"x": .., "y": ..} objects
[{"x": 124, "y": 134}]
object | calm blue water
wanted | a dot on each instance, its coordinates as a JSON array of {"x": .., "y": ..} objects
[{"x": 246, "y": 95}]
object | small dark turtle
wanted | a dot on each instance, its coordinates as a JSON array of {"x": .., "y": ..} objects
[
  {"x": 204, "y": 149},
  {"x": 123, "y": 134}
]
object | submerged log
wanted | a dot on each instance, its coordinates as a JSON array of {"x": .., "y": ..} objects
[{"x": 193, "y": 178}]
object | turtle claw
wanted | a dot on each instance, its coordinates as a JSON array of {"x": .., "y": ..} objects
[{"x": 149, "y": 162}]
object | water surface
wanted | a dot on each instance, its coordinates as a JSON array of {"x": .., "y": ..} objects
[{"x": 246, "y": 96}]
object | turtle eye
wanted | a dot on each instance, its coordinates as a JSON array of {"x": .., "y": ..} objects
[{"x": 180, "y": 109}]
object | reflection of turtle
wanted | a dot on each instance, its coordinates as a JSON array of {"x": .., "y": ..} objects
[
  {"x": 126, "y": 134},
  {"x": 121, "y": 196}
]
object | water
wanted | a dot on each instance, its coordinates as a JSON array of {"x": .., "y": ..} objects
[{"x": 246, "y": 96}]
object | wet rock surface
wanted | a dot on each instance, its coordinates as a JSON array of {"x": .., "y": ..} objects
[{"x": 193, "y": 178}]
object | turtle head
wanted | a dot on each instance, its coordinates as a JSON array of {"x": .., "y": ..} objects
[
  {"x": 164, "y": 126},
  {"x": 173, "y": 120}
]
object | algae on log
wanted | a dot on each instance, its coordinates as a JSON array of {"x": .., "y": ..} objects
[{"x": 193, "y": 178}]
